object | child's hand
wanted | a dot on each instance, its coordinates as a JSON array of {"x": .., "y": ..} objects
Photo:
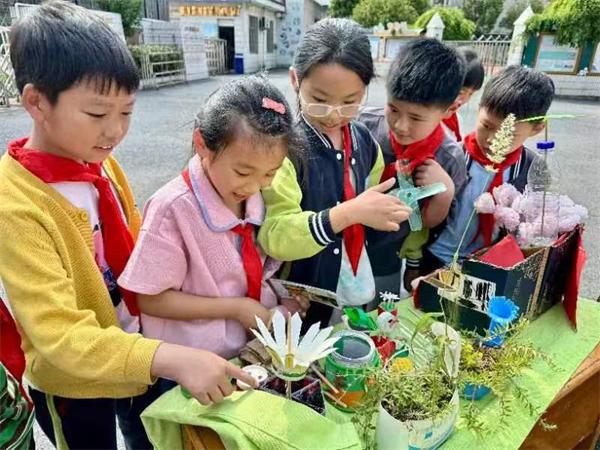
[
  {"x": 204, "y": 374},
  {"x": 431, "y": 172},
  {"x": 380, "y": 211},
  {"x": 248, "y": 310},
  {"x": 296, "y": 304}
]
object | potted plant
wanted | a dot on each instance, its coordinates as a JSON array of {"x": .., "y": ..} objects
[
  {"x": 495, "y": 370},
  {"x": 415, "y": 408}
]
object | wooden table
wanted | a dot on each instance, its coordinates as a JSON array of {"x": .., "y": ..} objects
[{"x": 575, "y": 411}]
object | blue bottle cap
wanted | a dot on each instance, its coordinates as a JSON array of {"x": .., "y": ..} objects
[{"x": 545, "y": 145}]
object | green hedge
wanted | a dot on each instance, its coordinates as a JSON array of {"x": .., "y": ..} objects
[{"x": 158, "y": 53}]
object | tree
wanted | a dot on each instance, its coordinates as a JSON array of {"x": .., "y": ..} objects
[
  {"x": 342, "y": 8},
  {"x": 421, "y": 5},
  {"x": 130, "y": 10},
  {"x": 575, "y": 22},
  {"x": 457, "y": 27},
  {"x": 517, "y": 9},
  {"x": 484, "y": 13},
  {"x": 372, "y": 12}
]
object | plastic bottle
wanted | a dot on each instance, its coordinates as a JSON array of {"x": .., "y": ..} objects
[{"x": 543, "y": 196}]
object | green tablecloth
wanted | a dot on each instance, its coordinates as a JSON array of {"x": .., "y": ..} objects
[{"x": 551, "y": 333}]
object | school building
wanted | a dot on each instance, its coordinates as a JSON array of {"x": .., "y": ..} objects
[{"x": 260, "y": 34}]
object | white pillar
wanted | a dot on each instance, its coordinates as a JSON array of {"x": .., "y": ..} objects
[
  {"x": 518, "y": 41},
  {"x": 435, "y": 27}
]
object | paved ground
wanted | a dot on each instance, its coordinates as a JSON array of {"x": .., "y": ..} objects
[{"x": 159, "y": 143}]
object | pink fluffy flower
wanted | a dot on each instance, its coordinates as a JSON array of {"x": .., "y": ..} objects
[
  {"x": 567, "y": 223},
  {"x": 525, "y": 234},
  {"x": 507, "y": 218},
  {"x": 518, "y": 204},
  {"x": 505, "y": 194},
  {"x": 485, "y": 204}
]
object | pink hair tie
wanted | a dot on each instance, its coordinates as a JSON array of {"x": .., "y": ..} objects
[{"x": 271, "y": 104}]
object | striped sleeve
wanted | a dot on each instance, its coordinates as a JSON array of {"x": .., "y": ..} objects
[
  {"x": 377, "y": 170},
  {"x": 289, "y": 233}
]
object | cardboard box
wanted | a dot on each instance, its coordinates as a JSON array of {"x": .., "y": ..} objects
[{"x": 535, "y": 284}]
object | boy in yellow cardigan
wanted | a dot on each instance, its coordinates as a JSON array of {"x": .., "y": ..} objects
[{"x": 67, "y": 227}]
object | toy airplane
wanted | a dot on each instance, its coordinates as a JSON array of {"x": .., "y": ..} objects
[{"x": 410, "y": 195}]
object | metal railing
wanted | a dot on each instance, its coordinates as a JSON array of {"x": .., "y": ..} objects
[
  {"x": 493, "y": 51},
  {"x": 215, "y": 50},
  {"x": 8, "y": 87},
  {"x": 159, "y": 64}
]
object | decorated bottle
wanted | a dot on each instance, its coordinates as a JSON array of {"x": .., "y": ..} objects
[{"x": 543, "y": 196}]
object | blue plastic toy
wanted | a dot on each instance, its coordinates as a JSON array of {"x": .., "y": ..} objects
[
  {"x": 502, "y": 311},
  {"x": 473, "y": 392},
  {"x": 410, "y": 195}
]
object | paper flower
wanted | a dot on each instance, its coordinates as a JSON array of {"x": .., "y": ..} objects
[
  {"x": 505, "y": 194},
  {"x": 518, "y": 204},
  {"x": 567, "y": 223},
  {"x": 485, "y": 204},
  {"x": 388, "y": 296},
  {"x": 507, "y": 218},
  {"x": 525, "y": 234},
  {"x": 291, "y": 355},
  {"x": 565, "y": 201}
]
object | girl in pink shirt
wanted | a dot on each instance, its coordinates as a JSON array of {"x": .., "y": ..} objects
[{"x": 199, "y": 275}]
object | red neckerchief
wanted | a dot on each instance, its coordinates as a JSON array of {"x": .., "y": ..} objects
[
  {"x": 250, "y": 256},
  {"x": 486, "y": 221},
  {"x": 453, "y": 125},
  {"x": 416, "y": 153},
  {"x": 11, "y": 354},
  {"x": 354, "y": 235},
  {"x": 116, "y": 237}
]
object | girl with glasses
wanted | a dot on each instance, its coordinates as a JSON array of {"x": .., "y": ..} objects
[{"x": 319, "y": 210}]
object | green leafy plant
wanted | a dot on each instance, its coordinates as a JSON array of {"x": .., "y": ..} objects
[
  {"x": 517, "y": 8},
  {"x": 373, "y": 12},
  {"x": 166, "y": 57},
  {"x": 130, "y": 10},
  {"x": 484, "y": 13},
  {"x": 342, "y": 8},
  {"x": 575, "y": 22},
  {"x": 456, "y": 26},
  {"x": 498, "y": 369},
  {"x": 422, "y": 393}
]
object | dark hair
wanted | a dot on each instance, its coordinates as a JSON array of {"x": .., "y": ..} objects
[
  {"x": 519, "y": 90},
  {"x": 60, "y": 44},
  {"x": 339, "y": 41},
  {"x": 475, "y": 71},
  {"x": 427, "y": 72},
  {"x": 238, "y": 106}
]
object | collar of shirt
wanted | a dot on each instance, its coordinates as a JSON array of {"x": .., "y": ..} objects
[{"x": 217, "y": 215}]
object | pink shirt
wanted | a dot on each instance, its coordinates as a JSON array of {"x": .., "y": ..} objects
[{"x": 186, "y": 244}]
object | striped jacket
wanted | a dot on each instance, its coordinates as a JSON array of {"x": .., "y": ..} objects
[{"x": 297, "y": 228}]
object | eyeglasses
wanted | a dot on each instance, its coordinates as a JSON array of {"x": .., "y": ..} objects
[{"x": 324, "y": 110}]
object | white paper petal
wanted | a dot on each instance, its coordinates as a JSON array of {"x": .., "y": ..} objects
[
  {"x": 323, "y": 354},
  {"x": 279, "y": 329},
  {"x": 319, "y": 352},
  {"x": 296, "y": 326},
  {"x": 309, "y": 337},
  {"x": 259, "y": 336},
  {"x": 265, "y": 334},
  {"x": 321, "y": 337}
]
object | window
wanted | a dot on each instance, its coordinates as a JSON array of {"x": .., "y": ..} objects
[
  {"x": 253, "y": 37},
  {"x": 270, "y": 33}
]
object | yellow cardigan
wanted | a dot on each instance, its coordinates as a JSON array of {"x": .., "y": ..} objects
[{"x": 72, "y": 341}]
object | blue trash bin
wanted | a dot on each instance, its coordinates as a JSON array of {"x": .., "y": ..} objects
[{"x": 239, "y": 63}]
